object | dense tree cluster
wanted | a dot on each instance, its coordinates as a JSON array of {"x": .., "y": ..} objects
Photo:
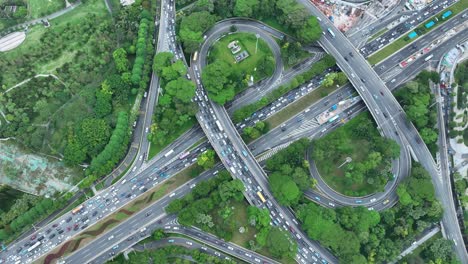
[
  {"x": 358, "y": 235},
  {"x": 209, "y": 207},
  {"x": 371, "y": 166},
  {"x": 292, "y": 52},
  {"x": 290, "y": 14},
  {"x": 207, "y": 159},
  {"x": 24, "y": 212},
  {"x": 434, "y": 252},
  {"x": 209, "y": 200},
  {"x": 319, "y": 67},
  {"x": 47, "y": 119},
  {"x": 461, "y": 77},
  {"x": 169, "y": 255},
  {"x": 416, "y": 97},
  {"x": 253, "y": 132},
  {"x": 114, "y": 150},
  {"x": 218, "y": 78},
  {"x": 141, "y": 52},
  {"x": 175, "y": 109},
  {"x": 289, "y": 175},
  {"x": 192, "y": 28}
]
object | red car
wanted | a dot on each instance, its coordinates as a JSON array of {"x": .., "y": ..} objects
[
  {"x": 69, "y": 228},
  {"x": 33, "y": 237}
]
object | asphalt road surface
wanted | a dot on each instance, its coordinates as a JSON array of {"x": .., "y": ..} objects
[{"x": 398, "y": 127}]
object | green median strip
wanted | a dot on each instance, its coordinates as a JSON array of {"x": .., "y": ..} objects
[
  {"x": 119, "y": 216},
  {"x": 420, "y": 30},
  {"x": 298, "y": 106},
  {"x": 380, "y": 33}
]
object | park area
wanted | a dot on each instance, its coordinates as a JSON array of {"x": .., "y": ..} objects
[
  {"x": 40, "y": 8},
  {"x": 249, "y": 66},
  {"x": 371, "y": 155}
]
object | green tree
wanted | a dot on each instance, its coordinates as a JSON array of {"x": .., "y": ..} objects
[
  {"x": 216, "y": 78},
  {"x": 280, "y": 243},
  {"x": 404, "y": 196},
  {"x": 158, "y": 234},
  {"x": 162, "y": 60},
  {"x": 440, "y": 250},
  {"x": 231, "y": 189},
  {"x": 182, "y": 89},
  {"x": 175, "y": 206},
  {"x": 192, "y": 28},
  {"x": 120, "y": 59},
  {"x": 207, "y": 159},
  {"x": 245, "y": 8},
  {"x": 94, "y": 134},
  {"x": 429, "y": 135},
  {"x": 75, "y": 152},
  {"x": 103, "y": 106},
  {"x": 311, "y": 31}
]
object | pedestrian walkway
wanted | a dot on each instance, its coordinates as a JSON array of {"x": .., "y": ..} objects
[{"x": 460, "y": 150}]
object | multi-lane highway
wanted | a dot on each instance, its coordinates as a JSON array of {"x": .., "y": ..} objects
[
  {"x": 389, "y": 117},
  {"x": 161, "y": 167},
  {"x": 413, "y": 20},
  {"x": 240, "y": 162}
]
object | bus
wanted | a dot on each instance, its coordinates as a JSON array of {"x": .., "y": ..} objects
[
  {"x": 331, "y": 32},
  {"x": 34, "y": 246},
  {"x": 219, "y": 125},
  {"x": 184, "y": 155},
  {"x": 168, "y": 153},
  {"x": 446, "y": 14},
  {"x": 259, "y": 193},
  {"x": 333, "y": 118},
  {"x": 195, "y": 55},
  {"x": 77, "y": 209},
  {"x": 429, "y": 57},
  {"x": 244, "y": 153},
  {"x": 429, "y": 24}
]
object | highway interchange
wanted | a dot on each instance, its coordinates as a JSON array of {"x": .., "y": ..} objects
[{"x": 165, "y": 166}]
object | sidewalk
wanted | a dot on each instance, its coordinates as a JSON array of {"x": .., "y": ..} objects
[{"x": 460, "y": 155}]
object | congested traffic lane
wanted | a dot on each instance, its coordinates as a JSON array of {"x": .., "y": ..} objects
[
  {"x": 414, "y": 19},
  {"x": 421, "y": 43},
  {"x": 397, "y": 127},
  {"x": 240, "y": 163}
]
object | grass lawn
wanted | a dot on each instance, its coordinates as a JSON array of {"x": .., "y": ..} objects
[
  {"x": 40, "y": 8},
  {"x": 293, "y": 109},
  {"x": 404, "y": 40},
  {"x": 358, "y": 150},
  {"x": 247, "y": 41},
  {"x": 156, "y": 148}
]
